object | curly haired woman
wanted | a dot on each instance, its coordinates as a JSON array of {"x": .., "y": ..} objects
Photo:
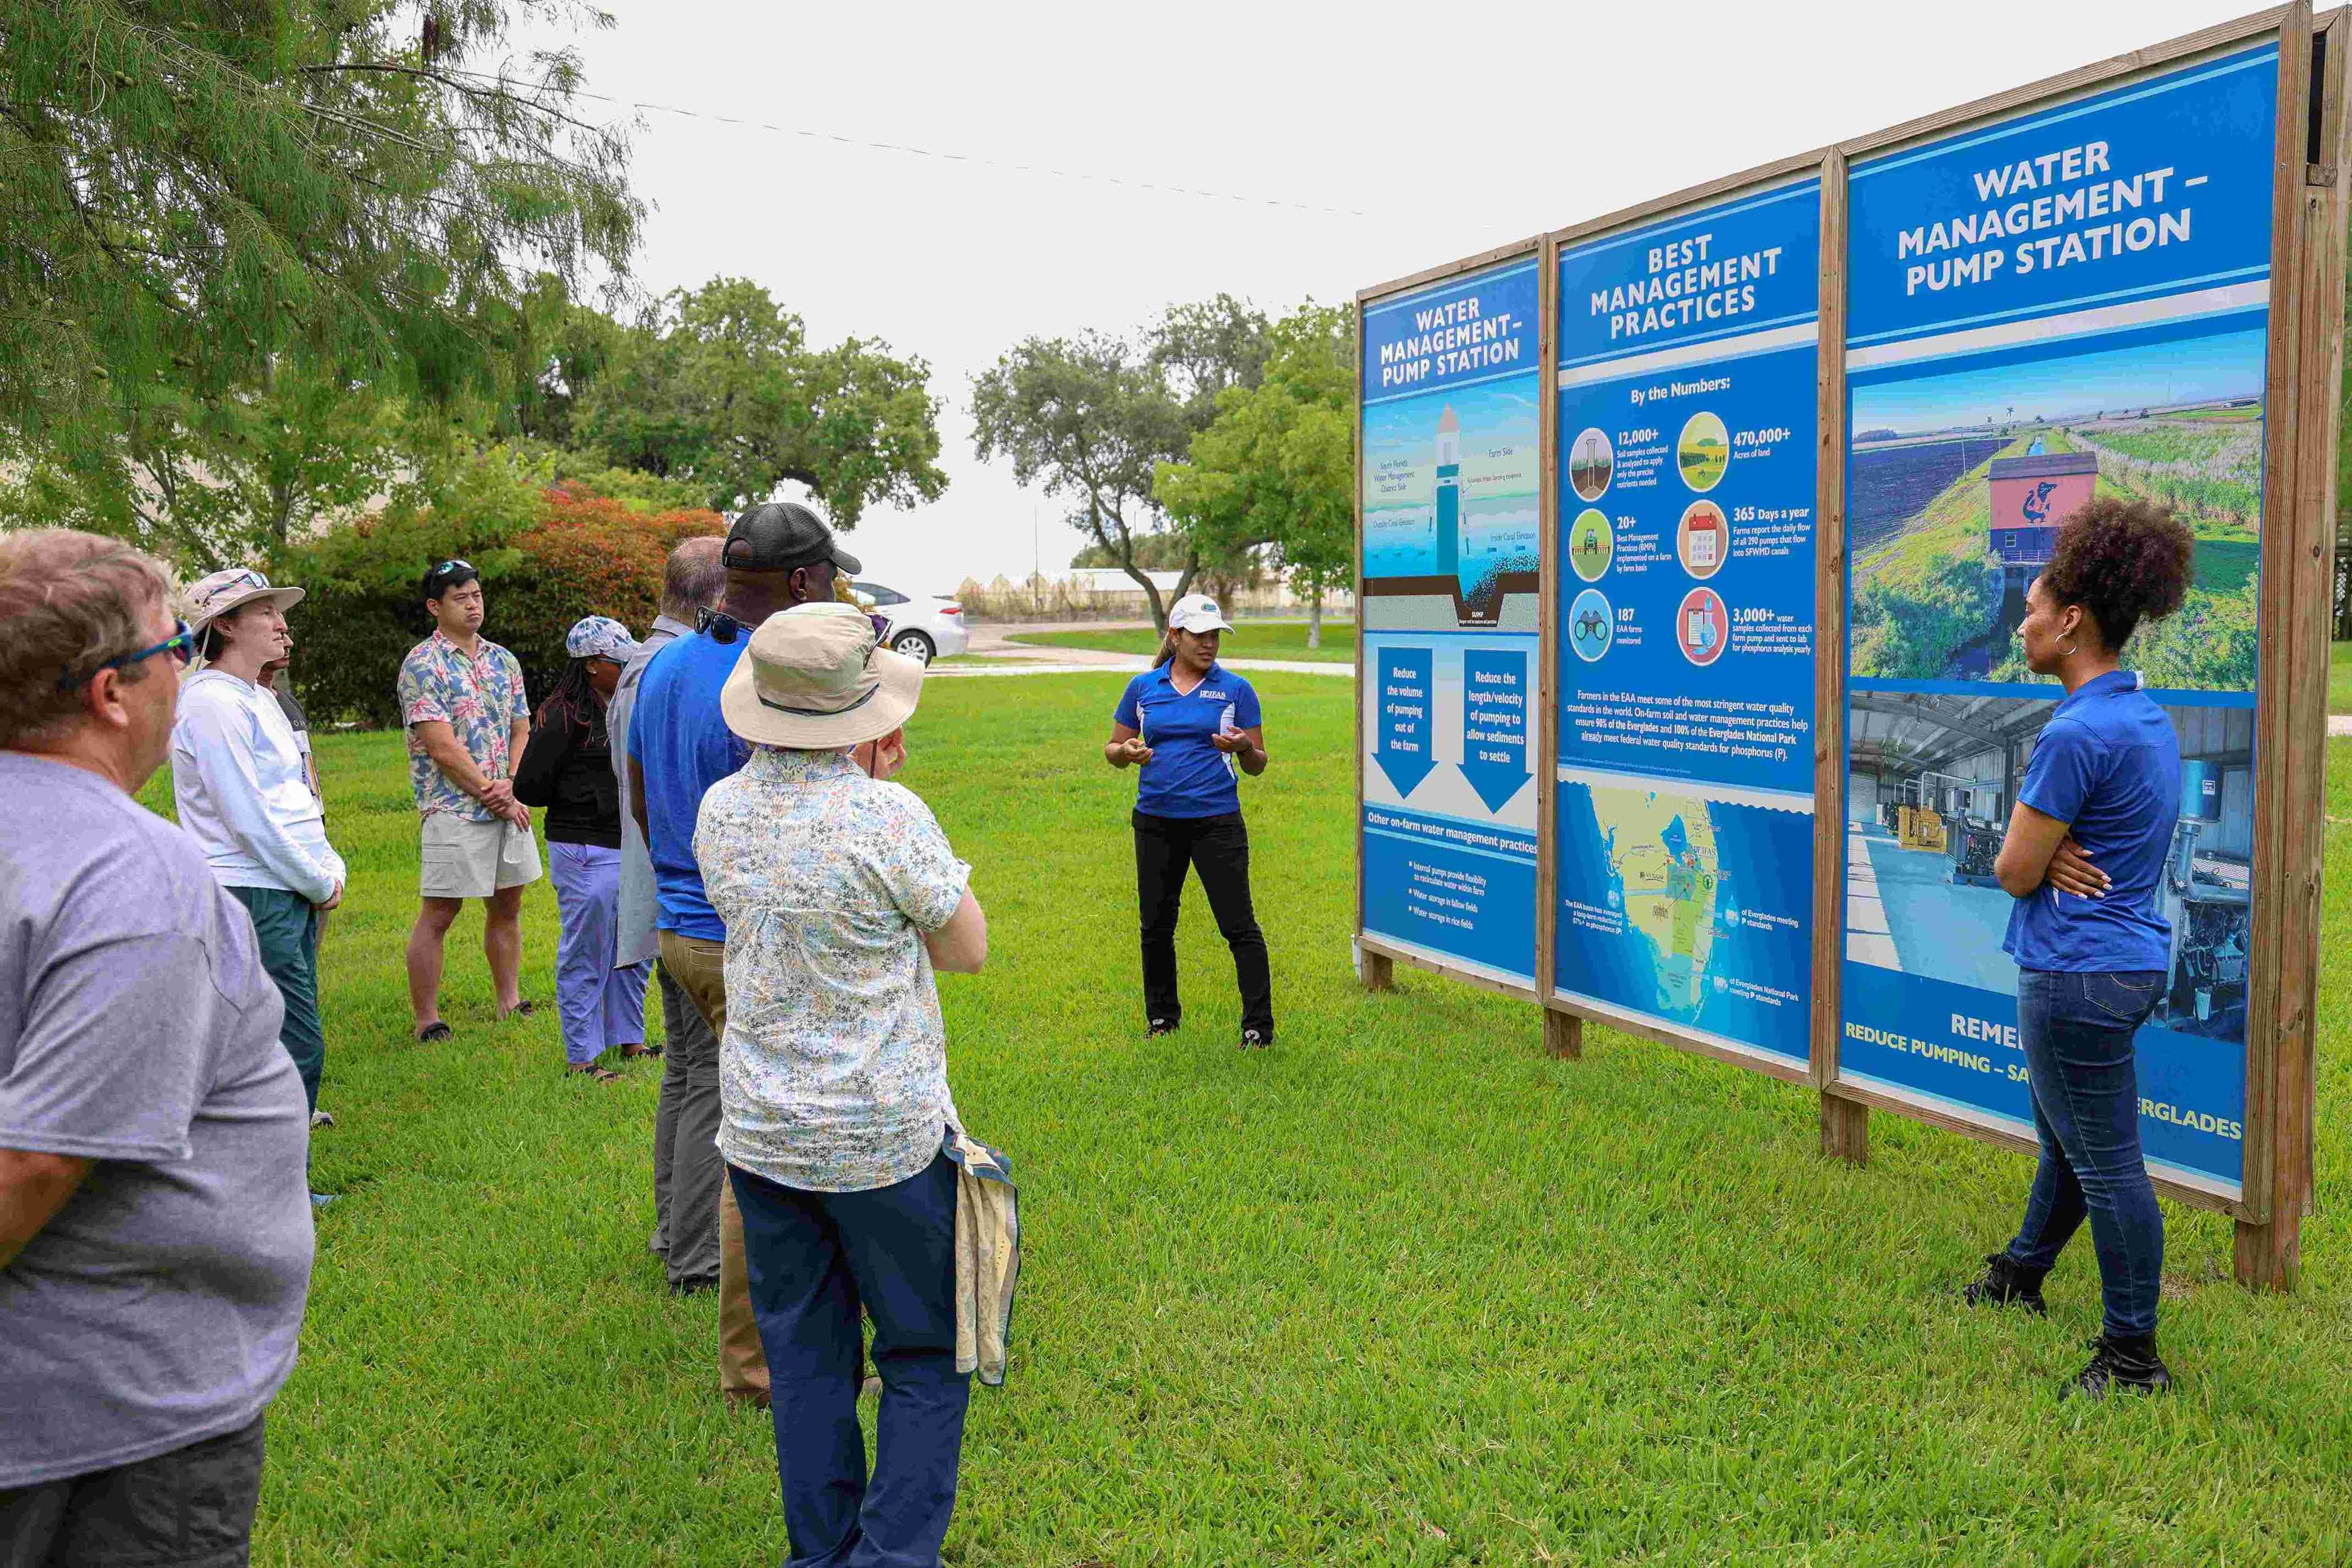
[{"x": 2085, "y": 860}]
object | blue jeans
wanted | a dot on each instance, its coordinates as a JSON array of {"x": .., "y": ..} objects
[
  {"x": 2077, "y": 1034},
  {"x": 814, "y": 1260}
]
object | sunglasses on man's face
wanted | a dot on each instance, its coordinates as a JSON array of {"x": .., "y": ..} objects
[{"x": 181, "y": 645}]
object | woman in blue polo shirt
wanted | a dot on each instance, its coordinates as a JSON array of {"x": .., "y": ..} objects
[
  {"x": 1188, "y": 723},
  {"x": 2085, "y": 860}
]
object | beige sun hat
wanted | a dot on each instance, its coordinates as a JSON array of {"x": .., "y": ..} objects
[
  {"x": 210, "y": 598},
  {"x": 814, "y": 679}
]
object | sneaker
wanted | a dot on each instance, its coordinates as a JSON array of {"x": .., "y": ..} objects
[
  {"x": 322, "y": 1118},
  {"x": 2006, "y": 1284},
  {"x": 321, "y": 1200},
  {"x": 1159, "y": 1027},
  {"x": 1255, "y": 1040},
  {"x": 2120, "y": 1365}
]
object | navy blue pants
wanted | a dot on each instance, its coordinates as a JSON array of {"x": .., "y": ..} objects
[
  {"x": 2078, "y": 1031},
  {"x": 816, "y": 1258}
]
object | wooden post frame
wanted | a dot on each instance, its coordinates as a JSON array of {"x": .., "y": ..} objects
[{"x": 1882, "y": 336}]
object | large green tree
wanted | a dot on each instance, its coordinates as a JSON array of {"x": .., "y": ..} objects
[
  {"x": 203, "y": 195},
  {"x": 719, "y": 386},
  {"x": 1089, "y": 417},
  {"x": 1276, "y": 468},
  {"x": 210, "y": 482}
]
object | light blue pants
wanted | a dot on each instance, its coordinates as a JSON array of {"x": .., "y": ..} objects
[{"x": 601, "y": 1007}]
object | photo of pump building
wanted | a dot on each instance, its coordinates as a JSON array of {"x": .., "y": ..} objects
[{"x": 1931, "y": 781}]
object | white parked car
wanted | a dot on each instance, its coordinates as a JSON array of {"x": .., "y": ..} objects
[{"x": 922, "y": 626}]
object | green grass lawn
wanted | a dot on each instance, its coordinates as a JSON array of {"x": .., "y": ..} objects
[
  {"x": 1401, "y": 1291},
  {"x": 1247, "y": 640}
]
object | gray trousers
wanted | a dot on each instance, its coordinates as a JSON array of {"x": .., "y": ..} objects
[{"x": 687, "y": 1171}]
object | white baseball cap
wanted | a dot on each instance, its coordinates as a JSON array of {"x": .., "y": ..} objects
[{"x": 1197, "y": 612}]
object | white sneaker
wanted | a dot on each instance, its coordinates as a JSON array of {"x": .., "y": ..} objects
[{"x": 322, "y": 1119}]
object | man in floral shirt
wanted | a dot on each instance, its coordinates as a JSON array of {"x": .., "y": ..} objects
[{"x": 461, "y": 698}]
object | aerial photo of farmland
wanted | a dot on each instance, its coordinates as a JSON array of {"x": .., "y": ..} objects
[{"x": 1955, "y": 484}]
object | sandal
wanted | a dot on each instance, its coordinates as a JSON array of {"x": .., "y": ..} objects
[
  {"x": 521, "y": 1010},
  {"x": 433, "y": 1033},
  {"x": 601, "y": 1074},
  {"x": 631, "y": 1052}
]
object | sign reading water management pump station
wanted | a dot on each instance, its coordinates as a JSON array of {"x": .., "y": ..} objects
[
  {"x": 1450, "y": 621},
  {"x": 1693, "y": 542}
]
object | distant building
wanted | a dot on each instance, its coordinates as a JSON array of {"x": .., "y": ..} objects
[{"x": 2031, "y": 497}]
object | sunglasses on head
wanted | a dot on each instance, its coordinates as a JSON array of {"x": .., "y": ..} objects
[{"x": 181, "y": 645}]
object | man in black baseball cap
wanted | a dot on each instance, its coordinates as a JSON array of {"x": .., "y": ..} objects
[
  {"x": 777, "y": 555},
  {"x": 784, "y": 535}
]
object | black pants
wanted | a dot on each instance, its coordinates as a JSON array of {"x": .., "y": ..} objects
[
  {"x": 190, "y": 1507},
  {"x": 1218, "y": 848}
]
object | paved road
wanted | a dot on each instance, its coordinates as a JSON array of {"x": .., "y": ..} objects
[
  {"x": 994, "y": 653},
  {"x": 2340, "y": 724}
]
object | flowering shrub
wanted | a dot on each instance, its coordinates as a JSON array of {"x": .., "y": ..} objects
[{"x": 548, "y": 556}]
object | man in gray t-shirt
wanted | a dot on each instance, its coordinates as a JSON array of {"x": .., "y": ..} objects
[{"x": 155, "y": 1230}]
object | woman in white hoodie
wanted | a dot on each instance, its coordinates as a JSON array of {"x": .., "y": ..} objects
[{"x": 244, "y": 794}]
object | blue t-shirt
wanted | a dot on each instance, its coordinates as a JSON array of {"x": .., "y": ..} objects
[
  {"x": 1187, "y": 776},
  {"x": 679, "y": 737},
  {"x": 2108, "y": 764}
]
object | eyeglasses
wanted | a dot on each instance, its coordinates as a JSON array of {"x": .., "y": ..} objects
[{"x": 181, "y": 645}]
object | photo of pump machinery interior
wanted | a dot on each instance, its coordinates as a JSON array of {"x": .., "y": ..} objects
[{"x": 1930, "y": 783}]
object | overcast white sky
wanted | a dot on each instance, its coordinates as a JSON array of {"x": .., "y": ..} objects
[{"x": 1429, "y": 122}]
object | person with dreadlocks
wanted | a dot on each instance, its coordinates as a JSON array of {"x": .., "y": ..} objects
[{"x": 567, "y": 768}]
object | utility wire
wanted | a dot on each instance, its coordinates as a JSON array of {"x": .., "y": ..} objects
[{"x": 1043, "y": 169}]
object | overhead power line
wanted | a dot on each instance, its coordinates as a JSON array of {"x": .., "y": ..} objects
[{"x": 1041, "y": 169}]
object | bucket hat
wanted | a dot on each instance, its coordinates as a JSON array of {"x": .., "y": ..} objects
[
  {"x": 815, "y": 678},
  {"x": 600, "y": 637},
  {"x": 210, "y": 598}
]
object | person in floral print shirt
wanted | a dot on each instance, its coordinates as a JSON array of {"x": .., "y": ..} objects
[{"x": 462, "y": 702}]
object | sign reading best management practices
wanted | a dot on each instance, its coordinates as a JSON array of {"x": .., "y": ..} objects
[{"x": 1684, "y": 803}]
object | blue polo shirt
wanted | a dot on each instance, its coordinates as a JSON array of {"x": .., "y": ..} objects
[
  {"x": 679, "y": 737},
  {"x": 1187, "y": 776},
  {"x": 2108, "y": 764}
]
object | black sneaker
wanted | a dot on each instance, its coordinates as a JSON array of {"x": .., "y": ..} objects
[
  {"x": 1159, "y": 1027},
  {"x": 2006, "y": 1283},
  {"x": 1255, "y": 1040},
  {"x": 2120, "y": 1365}
]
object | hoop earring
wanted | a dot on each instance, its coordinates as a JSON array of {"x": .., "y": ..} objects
[{"x": 2070, "y": 653}]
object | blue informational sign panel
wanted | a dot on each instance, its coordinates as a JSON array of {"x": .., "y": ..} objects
[
  {"x": 1687, "y": 366},
  {"x": 1450, "y": 612},
  {"x": 2072, "y": 301}
]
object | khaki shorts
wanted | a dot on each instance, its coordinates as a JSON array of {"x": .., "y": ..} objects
[{"x": 475, "y": 859}]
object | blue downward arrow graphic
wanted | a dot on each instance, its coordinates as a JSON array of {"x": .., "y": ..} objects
[
  {"x": 1494, "y": 723},
  {"x": 1402, "y": 745}
]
